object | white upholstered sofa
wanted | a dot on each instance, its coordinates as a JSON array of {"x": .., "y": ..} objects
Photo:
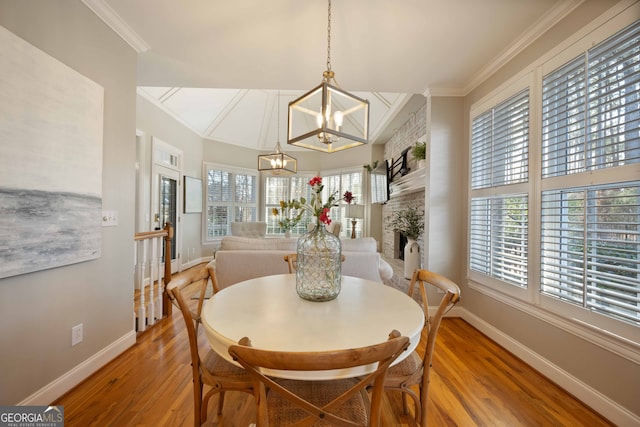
[{"x": 243, "y": 258}]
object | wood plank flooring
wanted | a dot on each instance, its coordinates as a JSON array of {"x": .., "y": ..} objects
[{"x": 475, "y": 382}]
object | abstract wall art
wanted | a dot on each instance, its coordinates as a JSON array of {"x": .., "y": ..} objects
[{"x": 51, "y": 121}]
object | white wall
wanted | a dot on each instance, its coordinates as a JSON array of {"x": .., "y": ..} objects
[{"x": 39, "y": 309}]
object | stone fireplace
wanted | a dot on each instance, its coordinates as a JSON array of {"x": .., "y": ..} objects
[{"x": 407, "y": 189}]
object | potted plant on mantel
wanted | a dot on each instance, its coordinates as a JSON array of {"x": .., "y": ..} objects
[
  {"x": 419, "y": 152},
  {"x": 409, "y": 222}
]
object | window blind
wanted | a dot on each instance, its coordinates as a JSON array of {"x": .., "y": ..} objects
[
  {"x": 590, "y": 248},
  {"x": 498, "y": 240},
  {"x": 591, "y": 108},
  {"x": 231, "y": 196},
  {"x": 284, "y": 188},
  {"x": 499, "y": 144}
]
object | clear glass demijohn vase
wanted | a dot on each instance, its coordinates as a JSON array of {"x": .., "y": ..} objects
[{"x": 319, "y": 265}]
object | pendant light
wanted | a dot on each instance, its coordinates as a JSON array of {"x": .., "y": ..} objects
[
  {"x": 277, "y": 163},
  {"x": 327, "y": 118}
]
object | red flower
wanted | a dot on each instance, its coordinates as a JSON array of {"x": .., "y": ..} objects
[
  {"x": 348, "y": 197},
  {"x": 324, "y": 216},
  {"x": 316, "y": 180}
]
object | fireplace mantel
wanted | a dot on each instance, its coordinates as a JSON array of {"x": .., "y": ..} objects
[{"x": 410, "y": 183}]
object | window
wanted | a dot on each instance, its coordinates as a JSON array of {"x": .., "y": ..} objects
[
  {"x": 231, "y": 196},
  {"x": 499, "y": 238},
  {"x": 563, "y": 233},
  {"x": 590, "y": 234},
  {"x": 295, "y": 187},
  {"x": 499, "y": 161},
  {"x": 284, "y": 188},
  {"x": 340, "y": 182},
  {"x": 591, "y": 248}
]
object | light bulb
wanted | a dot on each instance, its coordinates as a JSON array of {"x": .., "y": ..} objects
[{"x": 338, "y": 117}]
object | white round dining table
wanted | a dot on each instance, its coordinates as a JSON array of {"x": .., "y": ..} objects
[{"x": 269, "y": 311}]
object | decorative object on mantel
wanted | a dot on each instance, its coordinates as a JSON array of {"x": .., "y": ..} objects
[
  {"x": 327, "y": 118},
  {"x": 410, "y": 223},
  {"x": 277, "y": 162},
  {"x": 291, "y": 213},
  {"x": 319, "y": 252},
  {"x": 419, "y": 152}
]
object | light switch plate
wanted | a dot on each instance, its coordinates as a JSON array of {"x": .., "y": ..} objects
[{"x": 109, "y": 218}]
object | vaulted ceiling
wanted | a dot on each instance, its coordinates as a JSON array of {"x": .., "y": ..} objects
[{"x": 223, "y": 67}]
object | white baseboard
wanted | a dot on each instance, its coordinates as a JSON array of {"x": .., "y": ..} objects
[
  {"x": 609, "y": 409},
  {"x": 190, "y": 264},
  {"x": 75, "y": 376}
]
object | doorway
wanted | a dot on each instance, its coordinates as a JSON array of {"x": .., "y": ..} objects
[{"x": 166, "y": 197}]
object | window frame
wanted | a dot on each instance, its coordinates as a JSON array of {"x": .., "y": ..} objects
[{"x": 477, "y": 280}]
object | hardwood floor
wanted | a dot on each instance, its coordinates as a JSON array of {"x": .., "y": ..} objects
[{"x": 475, "y": 382}]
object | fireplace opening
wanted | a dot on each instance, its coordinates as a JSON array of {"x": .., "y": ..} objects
[{"x": 400, "y": 242}]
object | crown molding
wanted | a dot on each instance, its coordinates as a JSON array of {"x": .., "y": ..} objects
[
  {"x": 117, "y": 24},
  {"x": 548, "y": 20}
]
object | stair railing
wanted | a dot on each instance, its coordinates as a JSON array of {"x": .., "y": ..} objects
[{"x": 148, "y": 260}]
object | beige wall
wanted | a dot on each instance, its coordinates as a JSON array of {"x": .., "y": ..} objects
[
  {"x": 445, "y": 202},
  {"x": 39, "y": 309},
  {"x": 614, "y": 377}
]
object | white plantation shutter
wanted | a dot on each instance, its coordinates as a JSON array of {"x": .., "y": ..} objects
[
  {"x": 500, "y": 144},
  {"x": 231, "y": 196},
  {"x": 590, "y": 235},
  {"x": 591, "y": 248},
  {"x": 284, "y": 188},
  {"x": 499, "y": 159},
  {"x": 591, "y": 108},
  {"x": 499, "y": 238}
]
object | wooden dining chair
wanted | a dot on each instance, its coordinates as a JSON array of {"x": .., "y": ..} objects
[
  {"x": 340, "y": 402},
  {"x": 416, "y": 369},
  {"x": 210, "y": 370},
  {"x": 292, "y": 261}
]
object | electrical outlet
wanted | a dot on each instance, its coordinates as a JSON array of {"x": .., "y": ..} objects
[{"x": 76, "y": 335}]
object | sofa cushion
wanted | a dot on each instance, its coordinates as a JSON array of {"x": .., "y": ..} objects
[
  {"x": 233, "y": 266},
  {"x": 234, "y": 243},
  {"x": 363, "y": 244}
]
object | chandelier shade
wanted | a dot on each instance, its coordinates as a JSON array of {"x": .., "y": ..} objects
[
  {"x": 277, "y": 162},
  {"x": 327, "y": 118}
]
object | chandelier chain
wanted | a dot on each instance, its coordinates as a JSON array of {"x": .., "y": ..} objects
[{"x": 329, "y": 38}]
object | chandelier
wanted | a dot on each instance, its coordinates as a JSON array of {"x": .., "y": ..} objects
[
  {"x": 277, "y": 162},
  {"x": 327, "y": 118}
]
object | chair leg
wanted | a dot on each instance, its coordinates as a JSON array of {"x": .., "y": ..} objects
[
  {"x": 405, "y": 405},
  {"x": 197, "y": 405},
  {"x": 220, "y": 402}
]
